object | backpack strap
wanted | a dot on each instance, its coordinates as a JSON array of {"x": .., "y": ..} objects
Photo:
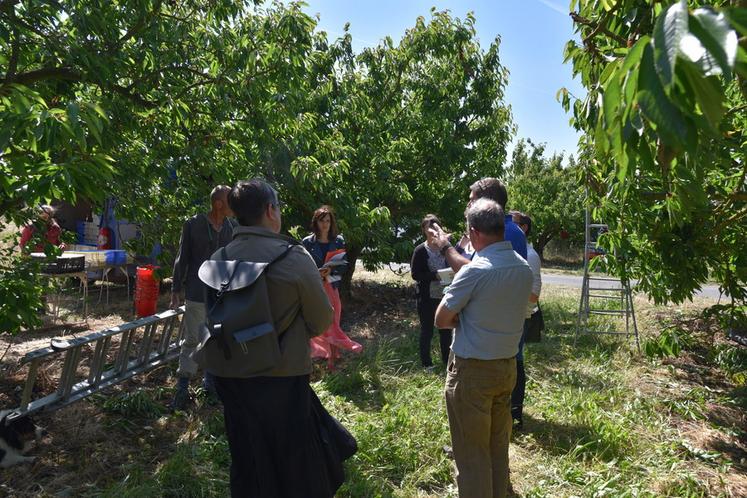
[{"x": 281, "y": 255}]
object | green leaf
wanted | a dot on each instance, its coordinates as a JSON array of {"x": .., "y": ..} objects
[
  {"x": 611, "y": 100},
  {"x": 738, "y": 18},
  {"x": 740, "y": 67},
  {"x": 656, "y": 106},
  {"x": 707, "y": 92},
  {"x": 622, "y": 166},
  {"x": 72, "y": 113},
  {"x": 635, "y": 52},
  {"x": 715, "y": 34},
  {"x": 608, "y": 5},
  {"x": 670, "y": 27},
  {"x": 629, "y": 87},
  {"x": 93, "y": 124}
]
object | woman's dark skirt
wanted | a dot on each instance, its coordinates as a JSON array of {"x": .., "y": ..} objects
[{"x": 274, "y": 438}]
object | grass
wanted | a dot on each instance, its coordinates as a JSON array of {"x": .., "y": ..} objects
[{"x": 600, "y": 419}]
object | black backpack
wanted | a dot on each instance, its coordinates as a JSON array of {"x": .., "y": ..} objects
[{"x": 241, "y": 340}]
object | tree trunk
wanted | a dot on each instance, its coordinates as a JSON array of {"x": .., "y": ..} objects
[
  {"x": 353, "y": 253},
  {"x": 542, "y": 241}
]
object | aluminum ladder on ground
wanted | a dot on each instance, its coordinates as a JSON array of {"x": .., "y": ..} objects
[
  {"x": 143, "y": 345},
  {"x": 599, "y": 290}
]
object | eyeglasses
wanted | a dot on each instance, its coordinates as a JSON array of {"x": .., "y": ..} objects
[{"x": 276, "y": 201}]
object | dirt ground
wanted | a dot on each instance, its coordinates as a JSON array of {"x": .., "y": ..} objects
[{"x": 83, "y": 432}]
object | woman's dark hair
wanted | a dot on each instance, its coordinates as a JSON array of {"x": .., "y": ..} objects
[
  {"x": 321, "y": 213},
  {"x": 525, "y": 219},
  {"x": 428, "y": 221},
  {"x": 248, "y": 200}
]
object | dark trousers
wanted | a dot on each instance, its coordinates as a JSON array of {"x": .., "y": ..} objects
[
  {"x": 427, "y": 315},
  {"x": 275, "y": 446},
  {"x": 517, "y": 395}
]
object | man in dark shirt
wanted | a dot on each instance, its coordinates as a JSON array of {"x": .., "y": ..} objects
[{"x": 202, "y": 235}]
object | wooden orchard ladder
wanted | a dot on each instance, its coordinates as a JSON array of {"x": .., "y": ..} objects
[{"x": 144, "y": 344}]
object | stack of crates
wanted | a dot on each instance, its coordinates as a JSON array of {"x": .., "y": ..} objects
[{"x": 88, "y": 233}]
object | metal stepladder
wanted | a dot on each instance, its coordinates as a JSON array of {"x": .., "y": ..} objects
[
  {"x": 97, "y": 361},
  {"x": 603, "y": 295}
]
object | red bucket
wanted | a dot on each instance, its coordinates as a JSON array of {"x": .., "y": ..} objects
[{"x": 146, "y": 291}]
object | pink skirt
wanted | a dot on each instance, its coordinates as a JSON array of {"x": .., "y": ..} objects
[{"x": 329, "y": 344}]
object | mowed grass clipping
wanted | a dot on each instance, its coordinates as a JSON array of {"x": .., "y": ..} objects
[{"x": 600, "y": 418}]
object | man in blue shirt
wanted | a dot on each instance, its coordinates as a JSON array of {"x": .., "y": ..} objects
[
  {"x": 485, "y": 304},
  {"x": 486, "y": 188}
]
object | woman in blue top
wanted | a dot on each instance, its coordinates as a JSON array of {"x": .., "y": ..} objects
[
  {"x": 323, "y": 241},
  {"x": 325, "y": 237}
]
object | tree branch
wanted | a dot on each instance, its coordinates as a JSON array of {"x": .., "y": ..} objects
[
  {"x": 155, "y": 72},
  {"x": 597, "y": 27},
  {"x": 134, "y": 97},
  {"x": 137, "y": 27},
  {"x": 47, "y": 73},
  {"x": 66, "y": 73}
]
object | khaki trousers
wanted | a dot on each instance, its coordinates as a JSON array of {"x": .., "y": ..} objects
[
  {"x": 194, "y": 319},
  {"x": 478, "y": 395}
]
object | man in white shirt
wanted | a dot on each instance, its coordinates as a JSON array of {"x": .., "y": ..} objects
[{"x": 534, "y": 316}]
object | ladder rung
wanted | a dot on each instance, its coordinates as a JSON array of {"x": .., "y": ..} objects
[
  {"x": 146, "y": 342},
  {"x": 29, "y": 387},
  {"x": 606, "y": 312},
  {"x": 102, "y": 360},
  {"x": 603, "y": 296},
  {"x": 597, "y": 225},
  {"x": 608, "y": 289},
  {"x": 95, "y": 359},
  {"x": 605, "y": 279},
  {"x": 606, "y": 332}
]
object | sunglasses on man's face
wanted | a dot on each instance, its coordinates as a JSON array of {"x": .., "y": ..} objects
[{"x": 277, "y": 202}]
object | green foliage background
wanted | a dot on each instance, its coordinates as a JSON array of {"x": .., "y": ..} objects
[
  {"x": 549, "y": 192},
  {"x": 664, "y": 122},
  {"x": 156, "y": 102}
]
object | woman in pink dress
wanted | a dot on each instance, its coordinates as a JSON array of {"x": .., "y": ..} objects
[{"x": 323, "y": 244}]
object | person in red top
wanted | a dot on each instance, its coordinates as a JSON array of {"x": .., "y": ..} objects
[{"x": 53, "y": 230}]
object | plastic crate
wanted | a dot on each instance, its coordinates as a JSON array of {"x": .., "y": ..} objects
[
  {"x": 116, "y": 257},
  {"x": 94, "y": 259},
  {"x": 87, "y": 232},
  {"x": 81, "y": 248},
  {"x": 66, "y": 263}
]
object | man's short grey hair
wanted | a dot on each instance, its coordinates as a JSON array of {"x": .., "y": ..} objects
[
  {"x": 486, "y": 216},
  {"x": 218, "y": 192}
]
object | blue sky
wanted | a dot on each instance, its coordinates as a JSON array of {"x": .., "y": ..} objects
[{"x": 533, "y": 34}]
